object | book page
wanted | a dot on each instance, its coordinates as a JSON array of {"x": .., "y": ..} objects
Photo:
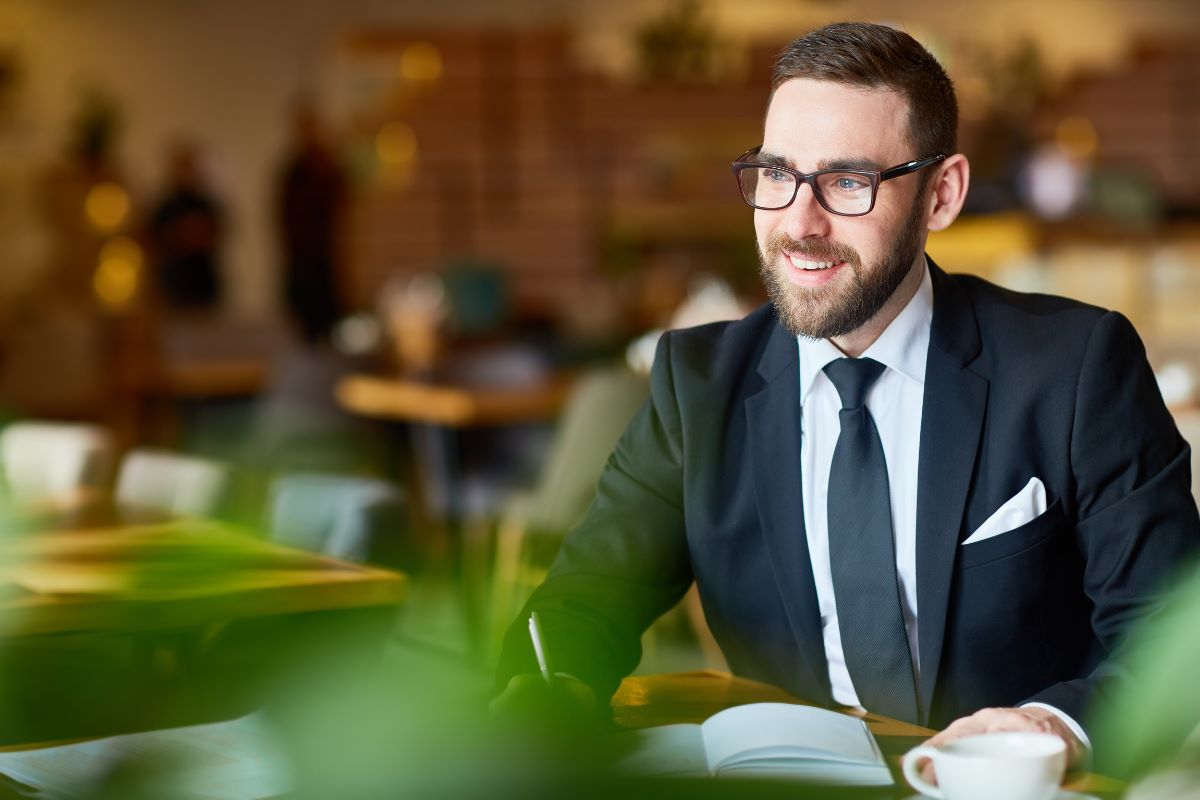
[
  {"x": 779, "y": 731},
  {"x": 666, "y": 750},
  {"x": 233, "y": 760}
]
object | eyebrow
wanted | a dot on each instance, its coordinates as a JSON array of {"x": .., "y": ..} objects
[{"x": 773, "y": 160}]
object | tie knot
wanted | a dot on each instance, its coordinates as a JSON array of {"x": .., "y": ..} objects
[{"x": 852, "y": 377}]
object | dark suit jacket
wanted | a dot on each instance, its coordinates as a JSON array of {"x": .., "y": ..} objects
[{"x": 706, "y": 484}]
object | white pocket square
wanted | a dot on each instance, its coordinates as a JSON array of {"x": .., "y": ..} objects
[{"x": 1025, "y": 506}]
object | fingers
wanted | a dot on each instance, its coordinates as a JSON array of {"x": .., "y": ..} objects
[
  {"x": 996, "y": 720},
  {"x": 927, "y": 773},
  {"x": 519, "y": 687},
  {"x": 528, "y": 698}
]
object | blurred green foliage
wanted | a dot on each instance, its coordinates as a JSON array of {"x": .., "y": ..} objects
[{"x": 1153, "y": 717}]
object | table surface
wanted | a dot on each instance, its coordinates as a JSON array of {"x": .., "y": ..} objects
[
  {"x": 183, "y": 573},
  {"x": 652, "y": 700},
  {"x": 451, "y": 404}
]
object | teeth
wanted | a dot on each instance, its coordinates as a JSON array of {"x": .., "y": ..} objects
[{"x": 802, "y": 264}]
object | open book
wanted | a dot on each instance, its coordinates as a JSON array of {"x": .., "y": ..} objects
[
  {"x": 773, "y": 740},
  {"x": 238, "y": 759}
]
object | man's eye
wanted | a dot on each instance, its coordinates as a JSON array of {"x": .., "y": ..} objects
[
  {"x": 850, "y": 183},
  {"x": 775, "y": 175}
]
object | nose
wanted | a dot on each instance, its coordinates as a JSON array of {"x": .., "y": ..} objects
[{"x": 805, "y": 218}]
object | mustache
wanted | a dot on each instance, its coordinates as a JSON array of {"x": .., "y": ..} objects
[{"x": 815, "y": 250}]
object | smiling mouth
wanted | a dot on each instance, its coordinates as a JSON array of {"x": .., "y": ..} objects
[{"x": 803, "y": 263}]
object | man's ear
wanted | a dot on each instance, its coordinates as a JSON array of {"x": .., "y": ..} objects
[{"x": 949, "y": 191}]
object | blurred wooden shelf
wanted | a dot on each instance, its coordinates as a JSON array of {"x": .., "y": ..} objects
[{"x": 212, "y": 378}]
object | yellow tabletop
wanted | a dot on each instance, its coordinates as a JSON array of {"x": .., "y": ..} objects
[
  {"x": 650, "y": 700},
  {"x": 171, "y": 575}
]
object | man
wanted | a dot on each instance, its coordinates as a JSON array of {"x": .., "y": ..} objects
[
  {"x": 310, "y": 203},
  {"x": 894, "y": 488},
  {"x": 185, "y": 235}
]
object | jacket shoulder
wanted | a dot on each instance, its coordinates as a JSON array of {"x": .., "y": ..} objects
[
  {"x": 1029, "y": 325},
  {"x": 988, "y": 297}
]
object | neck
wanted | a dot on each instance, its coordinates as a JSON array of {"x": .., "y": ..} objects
[{"x": 855, "y": 343}]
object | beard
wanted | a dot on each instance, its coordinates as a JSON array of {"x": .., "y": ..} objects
[{"x": 829, "y": 311}]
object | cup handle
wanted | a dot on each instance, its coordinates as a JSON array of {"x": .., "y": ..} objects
[{"x": 912, "y": 770}]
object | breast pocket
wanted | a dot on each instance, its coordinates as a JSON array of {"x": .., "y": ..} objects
[{"x": 1042, "y": 528}]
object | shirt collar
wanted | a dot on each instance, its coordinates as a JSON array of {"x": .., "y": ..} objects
[{"x": 903, "y": 345}]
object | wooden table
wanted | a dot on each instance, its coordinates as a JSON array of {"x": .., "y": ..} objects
[
  {"x": 145, "y": 626},
  {"x": 453, "y": 405},
  {"x": 85, "y": 509},
  {"x": 171, "y": 575},
  {"x": 652, "y": 700},
  {"x": 438, "y": 413}
]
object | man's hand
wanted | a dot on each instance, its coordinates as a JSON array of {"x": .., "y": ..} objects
[
  {"x": 528, "y": 697},
  {"x": 993, "y": 720}
]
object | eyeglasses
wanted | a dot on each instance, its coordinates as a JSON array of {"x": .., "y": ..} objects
[{"x": 846, "y": 192}]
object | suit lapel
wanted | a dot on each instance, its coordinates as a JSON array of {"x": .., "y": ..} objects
[
  {"x": 951, "y": 422},
  {"x": 773, "y": 419}
]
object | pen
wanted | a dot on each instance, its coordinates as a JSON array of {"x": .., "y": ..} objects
[{"x": 539, "y": 648}]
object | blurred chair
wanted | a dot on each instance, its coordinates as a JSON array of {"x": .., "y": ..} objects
[
  {"x": 297, "y": 425},
  {"x": 477, "y": 297},
  {"x": 179, "y": 485},
  {"x": 348, "y": 517},
  {"x": 534, "y": 522},
  {"x": 596, "y": 413},
  {"x": 55, "y": 463},
  {"x": 504, "y": 456}
]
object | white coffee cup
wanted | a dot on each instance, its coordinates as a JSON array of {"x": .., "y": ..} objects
[{"x": 992, "y": 766}]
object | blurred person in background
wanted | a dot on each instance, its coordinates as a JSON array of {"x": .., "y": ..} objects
[
  {"x": 894, "y": 488},
  {"x": 310, "y": 200},
  {"x": 185, "y": 235},
  {"x": 69, "y": 183}
]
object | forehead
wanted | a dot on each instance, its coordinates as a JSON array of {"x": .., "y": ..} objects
[{"x": 812, "y": 121}]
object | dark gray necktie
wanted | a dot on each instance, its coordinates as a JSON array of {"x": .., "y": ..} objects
[{"x": 862, "y": 553}]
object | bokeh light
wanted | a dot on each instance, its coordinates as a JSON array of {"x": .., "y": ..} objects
[
  {"x": 421, "y": 62},
  {"x": 107, "y": 206},
  {"x": 396, "y": 144},
  {"x": 1076, "y": 136},
  {"x": 116, "y": 279}
]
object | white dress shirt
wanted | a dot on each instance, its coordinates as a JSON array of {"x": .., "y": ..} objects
[{"x": 895, "y": 402}]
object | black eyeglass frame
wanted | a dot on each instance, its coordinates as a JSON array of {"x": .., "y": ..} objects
[{"x": 876, "y": 177}]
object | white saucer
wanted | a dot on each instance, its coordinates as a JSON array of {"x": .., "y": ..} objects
[{"x": 1063, "y": 794}]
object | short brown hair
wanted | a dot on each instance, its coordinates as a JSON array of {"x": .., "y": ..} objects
[{"x": 879, "y": 57}]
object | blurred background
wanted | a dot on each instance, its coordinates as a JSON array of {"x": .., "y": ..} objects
[
  {"x": 302, "y": 235},
  {"x": 422, "y": 252}
]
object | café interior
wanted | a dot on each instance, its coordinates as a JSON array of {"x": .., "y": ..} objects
[{"x": 319, "y": 321}]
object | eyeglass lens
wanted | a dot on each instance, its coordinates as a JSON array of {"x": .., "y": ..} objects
[{"x": 840, "y": 192}]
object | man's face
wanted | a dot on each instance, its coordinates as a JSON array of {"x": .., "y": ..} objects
[{"x": 816, "y": 125}]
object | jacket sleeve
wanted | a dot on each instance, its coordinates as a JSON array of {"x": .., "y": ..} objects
[
  {"x": 626, "y": 563},
  {"x": 1136, "y": 520}
]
